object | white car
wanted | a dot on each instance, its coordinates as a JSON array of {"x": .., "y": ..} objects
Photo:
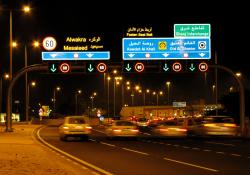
[
  {"x": 122, "y": 128},
  {"x": 212, "y": 126},
  {"x": 74, "y": 126},
  {"x": 170, "y": 128}
]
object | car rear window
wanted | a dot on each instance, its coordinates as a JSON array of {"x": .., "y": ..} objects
[
  {"x": 76, "y": 121},
  {"x": 142, "y": 119}
]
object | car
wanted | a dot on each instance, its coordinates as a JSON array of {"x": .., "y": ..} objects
[
  {"x": 171, "y": 128},
  {"x": 219, "y": 125},
  {"x": 142, "y": 122},
  {"x": 74, "y": 126},
  {"x": 122, "y": 128}
]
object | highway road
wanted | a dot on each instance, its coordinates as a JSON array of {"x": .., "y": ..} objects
[{"x": 156, "y": 156}]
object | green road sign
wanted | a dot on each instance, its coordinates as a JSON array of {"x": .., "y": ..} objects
[
  {"x": 90, "y": 67},
  {"x": 192, "y": 30}
]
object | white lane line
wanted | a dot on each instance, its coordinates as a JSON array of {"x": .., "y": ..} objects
[
  {"x": 190, "y": 164},
  {"x": 176, "y": 145},
  {"x": 236, "y": 155},
  {"x": 218, "y": 152},
  {"x": 185, "y": 147},
  {"x": 218, "y": 143},
  {"x": 107, "y": 144},
  {"x": 161, "y": 143},
  {"x": 72, "y": 157},
  {"x": 207, "y": 150},
  {"x": 146, "y": 133},
  {"x": 92, "y": 140},
  {"x": 196, "y": 148},
  {"x": 248, "y": 157},
  {"x": 99, "y": 131},
  {"x": 168, "y": 144},
  {"x": 139, "y": 152}
]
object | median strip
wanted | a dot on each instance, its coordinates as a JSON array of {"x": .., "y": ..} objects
[
  {"x": 189, "y": 164},
  {"x": 135, "y": 151}
]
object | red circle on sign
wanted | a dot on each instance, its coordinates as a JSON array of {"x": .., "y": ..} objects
[
  {"x": 64, "y": 67},
  {"x": 139, "y": 67},
  {"x": 101, "y": 67},
  {"x": 177, "y": 67},
  {"x": 203, "y": 67}
]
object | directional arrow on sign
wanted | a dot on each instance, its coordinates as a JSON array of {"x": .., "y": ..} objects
[
  {"x": 165, "y": 68},
  {"x": 165, "y": 54},
  {"x": 131, "y": 55},
  {"x": 192, "y": 68},
  {"x": 89, "y": 55},
  {"x": 90, "y": 68},
  {"x": 128, "y": 68},
  {"x": 202, "y": 54},
  {"x": 53, "y": 68}
]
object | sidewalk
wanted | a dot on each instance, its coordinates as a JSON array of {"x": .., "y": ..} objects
[{"x": 21, "y": 154}]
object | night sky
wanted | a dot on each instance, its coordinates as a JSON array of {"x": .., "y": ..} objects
[{"x": 111, "y": 20}]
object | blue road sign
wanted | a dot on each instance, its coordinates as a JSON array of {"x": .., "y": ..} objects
[
  {"x": 165, "y": 48},
  {"x": 91, "y": 55}
]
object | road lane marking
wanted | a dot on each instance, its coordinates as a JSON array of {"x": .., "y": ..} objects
[
  {"x": 196, "y": 148},
  {"x": 99, "y": 131},
  {"x": 248, "y": 157},
  {"x": 218, "y": 143},
  {"x": 218, "y": 152},
  {"x": 176, "y": 145},
  {"x": 168, "y": 144},
  {"x": 139, "y": 152},
  {"x": 190, "y": 164},
  {"x": 72, "y": 157},
  {"x": 107, "y": 144},
  {"x": 185, "y": 147},
  {"x": 236, "y": 155},
  {"x": 207, "y": 150},
  {"x": 146, "y": 133},
  {"x": 92, "y": 140}
]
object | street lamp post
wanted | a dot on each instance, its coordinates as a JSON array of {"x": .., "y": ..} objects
[
  {"x": 78, "y": 92},
  {"x": 33, "y": 84},
  {"x": 168, "y": 84},
  {"x": 54, "y": 98},
  {"x": 5, "y": 76},
  {"x": 109, "y": 78}
]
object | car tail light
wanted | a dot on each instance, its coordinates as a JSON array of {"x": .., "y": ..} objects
[
  {"x": 88, "y": 127},
  {"x": 117, "y": 130},
  {"x": 164, "y": 130},
  {"x": 181, "y": 129},
  {"x": 209, "y": 125},
  {"x": 230, "y": 125},
  {"x": 135, "y": 130}
]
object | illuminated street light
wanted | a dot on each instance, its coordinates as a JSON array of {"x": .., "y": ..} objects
[
  {"x": 127, "y": 83},
  {"x": 147, "y": 90},
  {"x": 35, "y": 44},
  {"x": 14, "y": 44},
  {"x": 238, "y": 74},
  {"x": 6, "y": 76},
  {"x": 58, "y": 88},
  {"x": 128, "y": 87},
  {"x": 137, "y": 87},
  {"x": 33, "y": 83},
  {"x": 26, "y": 9},
  {"x": 115, "y": 71}
]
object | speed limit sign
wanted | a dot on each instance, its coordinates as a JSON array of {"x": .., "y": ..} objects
[{"x": 49, "y": 43}]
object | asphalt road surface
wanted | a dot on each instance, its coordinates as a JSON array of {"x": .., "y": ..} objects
[{"x": 157, "y": 156}]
